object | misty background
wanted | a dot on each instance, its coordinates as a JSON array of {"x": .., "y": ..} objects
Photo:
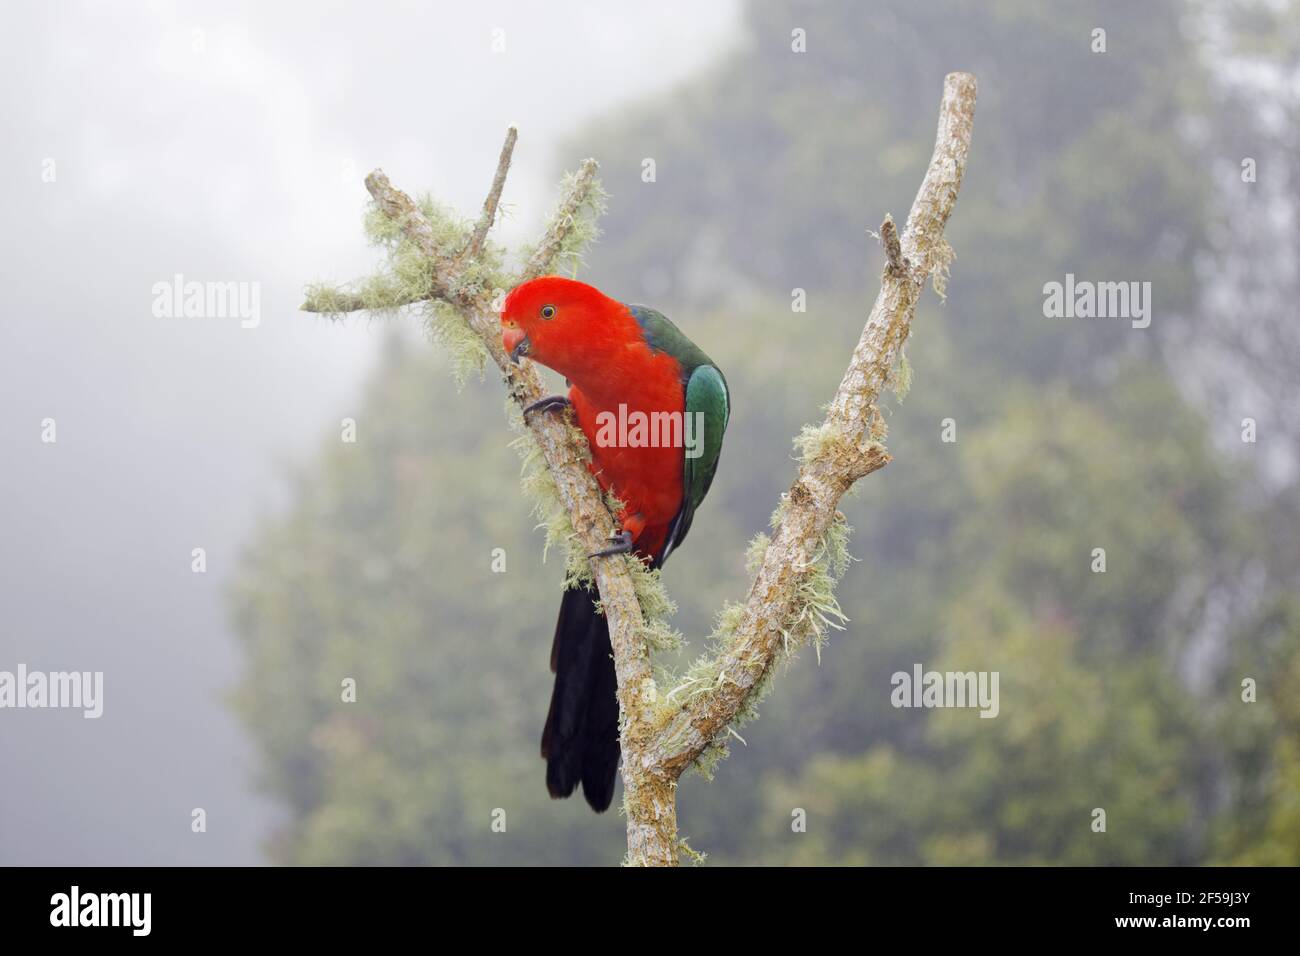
[
  {"x": 230, "y": 143},
  {"x": 242, "y": 162}
]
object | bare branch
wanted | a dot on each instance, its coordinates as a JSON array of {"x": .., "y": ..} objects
[
  {"x": 848, "y": 448},
  {"x": 489, "y": 215}
]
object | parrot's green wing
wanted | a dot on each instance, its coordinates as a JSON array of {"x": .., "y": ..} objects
[{"x": 708, "y": 407}]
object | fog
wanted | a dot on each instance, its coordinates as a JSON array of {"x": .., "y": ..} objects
[{"x": 222, "y": 143}]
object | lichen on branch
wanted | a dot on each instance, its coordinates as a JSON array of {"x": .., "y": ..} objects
[{"x": 791, "y": 599}]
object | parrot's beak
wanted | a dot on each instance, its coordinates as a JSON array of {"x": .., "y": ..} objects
[{"x": 516, "y": 343}]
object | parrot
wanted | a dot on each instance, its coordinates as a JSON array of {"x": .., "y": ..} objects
[{"x": 625, "y": 365}]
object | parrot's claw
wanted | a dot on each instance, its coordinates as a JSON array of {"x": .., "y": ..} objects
[
  {"x": 548, "y": 404},
  {"x": 622, "y": 545}
]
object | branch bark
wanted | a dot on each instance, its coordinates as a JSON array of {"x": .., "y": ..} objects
[
  {"x": 655, "y": 753},
  {"x": 651, "y": 835},
  {"x": 489, "y": 217},
  {"x": 853, "y": 449}
]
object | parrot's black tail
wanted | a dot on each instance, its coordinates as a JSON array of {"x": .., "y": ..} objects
[{"x": 580, "y": 740}]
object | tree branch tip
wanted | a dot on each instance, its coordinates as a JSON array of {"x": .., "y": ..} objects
[
  {"x": 893, "y": 247},
  {"x": 961, "y": 78}
]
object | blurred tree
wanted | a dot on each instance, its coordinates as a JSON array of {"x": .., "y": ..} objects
[
  {"x": 1260, "y": 725},
  {"x": 1090, "y": 715}
]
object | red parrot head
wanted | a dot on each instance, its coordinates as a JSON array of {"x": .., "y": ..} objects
[{"x": 561, "y": 323}]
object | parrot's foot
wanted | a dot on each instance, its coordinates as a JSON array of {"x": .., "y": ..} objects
[
  {"x": 548, "y": 404},
  {"x": 622, "y": 545}
]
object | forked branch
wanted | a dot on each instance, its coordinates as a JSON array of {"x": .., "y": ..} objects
[{"x": 847, "y": 446}]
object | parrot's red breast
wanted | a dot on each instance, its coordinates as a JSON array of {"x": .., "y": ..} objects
[{"x": 597, "y": 344}]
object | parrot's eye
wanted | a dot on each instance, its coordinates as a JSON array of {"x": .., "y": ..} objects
[{"x": 548, "y": 311}]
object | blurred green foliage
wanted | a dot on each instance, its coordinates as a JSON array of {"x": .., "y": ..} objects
[{"x": 1119, "y": 691}]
